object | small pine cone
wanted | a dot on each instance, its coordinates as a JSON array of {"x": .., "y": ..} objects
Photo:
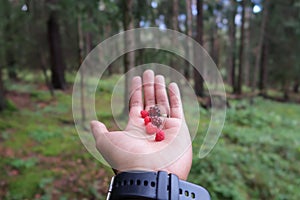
[
  {"x": 156, "y": 121},
  {"x": 154, "y": 111}
]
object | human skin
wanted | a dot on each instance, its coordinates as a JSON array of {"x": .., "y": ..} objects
[{"x": 125, "y": 150}]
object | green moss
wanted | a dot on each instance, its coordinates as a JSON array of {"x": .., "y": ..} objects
[
  {"x": 257, "y": 156},
  {"x": 26, "y": 185}
]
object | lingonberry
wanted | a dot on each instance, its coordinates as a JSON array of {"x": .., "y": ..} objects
[
  {"x": 147, "y": 119},
  {"x": 144, "y": 113},
  {"x": 160, "y": 135}
]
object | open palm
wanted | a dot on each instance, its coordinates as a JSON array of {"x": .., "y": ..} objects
[{"x": 133, "y": 148}]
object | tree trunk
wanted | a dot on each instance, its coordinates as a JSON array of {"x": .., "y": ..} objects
[
  {"x": 9, "y": 48},
  {"x": 2, "y": 94},
  {"x": 129, "y": 58},
  {"x": 175, "y": 15},
  {"x": 88, "y": 42},
  {"x": 213, "y": 47},
  {"x": 296, "y": 87},
  {"x": 89, "y": 36},
  {"x": 263, "y": 69},
  {"x": 11, "y": 65},
  {"x": 189, "y": 32},
  {"x": 260, "y": 45},
  {"x": 238, "y": 88},
  {"x": 247, "y": 59},
  {"x": 57, "y": 61},
  {"x": 198, "y": 79},
  {"x": 174, "y": 62},
  {"x": 107, "y": 33},
  {"x": 286, "y": 96},
  {"x": 81, "y": 70},
  {"x": 140, "y": 52},
  {"x": 232, "y": 46},
  {"x": 44, "y": 70},
  {"x": 39, "y": 52}
]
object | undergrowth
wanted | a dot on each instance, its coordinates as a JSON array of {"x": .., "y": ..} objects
[{"x": 256, "y": 157}]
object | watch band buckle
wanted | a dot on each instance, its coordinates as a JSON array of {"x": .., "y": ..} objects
[{"x": 110, "y": 188}]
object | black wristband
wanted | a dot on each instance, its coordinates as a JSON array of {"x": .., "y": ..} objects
[{"x": 153, "y": 185}]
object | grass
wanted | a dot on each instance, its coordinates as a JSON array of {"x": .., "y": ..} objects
[
  {"x": 257, "y": 156},
  {"x": 39, "y": 143}
]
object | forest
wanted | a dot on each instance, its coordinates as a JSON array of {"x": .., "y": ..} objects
[{"x": 254, "y": 44}]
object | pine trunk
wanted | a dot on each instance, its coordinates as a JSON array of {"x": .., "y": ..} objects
[
  {"x": 232, "y": 46},
  {"x": 247, "y": 46},
  {"x": 189, "y": 32},
  {"x": 263, "y": 69},
  {"x": 213, "y": 42},
  {"x": 8, "y": 37},
  {"x": 296, "y": 87},
  {"x": 80, "y": 41},
  {"x": 57, "y": 61},
  {"x": 129, "y": 58},
  {"x": 238, "y": 88},
  {"x": 261, "y": 42},
  {"x": 174, "y": 63},
  {"x": 198, "y": 79}
]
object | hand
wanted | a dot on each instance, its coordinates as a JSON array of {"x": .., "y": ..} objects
[{"x": 133, "y": 149}]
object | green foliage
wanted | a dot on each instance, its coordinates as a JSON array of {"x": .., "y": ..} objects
[
  {"x": 42, "y": 135},
  {"x": 257, "y": 155},
  {"x": 23, "y": 164},
  {"x": 25, "y": 186}
]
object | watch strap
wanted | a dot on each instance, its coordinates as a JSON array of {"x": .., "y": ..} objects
[{"x": 154, "y": 185}]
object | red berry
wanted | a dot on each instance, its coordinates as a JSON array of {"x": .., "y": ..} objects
[
  {"x": 160, "y": 135},
  {"x": 144, "y": 113},
  {"x": 147, "y": 120},
  {"x": 151, "y": 129}
]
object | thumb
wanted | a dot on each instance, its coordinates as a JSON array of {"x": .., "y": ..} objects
[
  {"x": 98, "y": 129},
  {"x": 103, "y": 143}
]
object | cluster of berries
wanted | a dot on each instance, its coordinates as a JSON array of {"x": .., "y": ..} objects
[{"x": 153, "y": 122}]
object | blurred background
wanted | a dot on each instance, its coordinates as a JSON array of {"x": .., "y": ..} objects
[{"x": 254, "y": 43}]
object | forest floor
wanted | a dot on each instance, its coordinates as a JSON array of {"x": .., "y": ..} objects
[{"x": 42, "y": 157}]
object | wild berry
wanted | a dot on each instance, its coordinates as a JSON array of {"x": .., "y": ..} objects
[
  {"x": 147, "y": 120},
  {"x": 144, "y": 113},
  {"x": 160, "y": 135}
]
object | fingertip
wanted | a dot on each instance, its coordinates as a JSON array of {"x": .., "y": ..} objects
[
  {"x": 97, "y": 128},
  {"x": 136, "y": 78},
  {"x": 148, "y": 71},
  {"x": 93, "y": 123},
  {"x": 148, "y": 76},
  {"x": 173, "y": 84},
  {"x": 173, "y": 87},
  {"x": 160, "y": 78}
]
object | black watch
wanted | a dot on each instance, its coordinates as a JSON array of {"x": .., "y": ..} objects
[{"x": 153, "y": 185}]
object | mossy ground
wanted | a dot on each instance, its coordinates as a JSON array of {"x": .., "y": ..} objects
[{"x": 257, "y": 156}]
